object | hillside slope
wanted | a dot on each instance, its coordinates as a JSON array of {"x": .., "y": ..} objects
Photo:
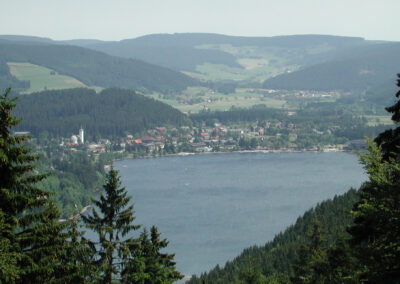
[
  {"x": 356, "y": 69},
  {"x": 95, "y": 68},
  {"x": 111, "y": 113}
]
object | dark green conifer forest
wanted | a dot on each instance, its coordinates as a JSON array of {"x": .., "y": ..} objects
[
  {"x": 37, "y": 247},
  {"x": 109, "y": 113}
]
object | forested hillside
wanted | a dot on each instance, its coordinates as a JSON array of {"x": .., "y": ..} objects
[
  {"x": 208, "y": 57},
  {"x": 356, "y": 69},
  {"x": 179, "y": 57},
  {"x": 111, "y": 113},
  {"x": 382, "y": 94},
  {"x": 7, "y": 79},
  {"x": 278, "y": 257},
  {"x": 93, "y": 68}
]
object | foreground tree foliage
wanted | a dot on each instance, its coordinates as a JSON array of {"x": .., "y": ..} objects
[
  {"x": 37, "y": 247},
  {"x": 376, "y": 232},
  {"x": 111, "y": 224},
  {"x": 121, "y": 258},
  {"x": 32, "y": 241},
  {"x": 150, "y": 266},
  {"x": 389, "y": 140},
  {"x": 312, "y": 263}
]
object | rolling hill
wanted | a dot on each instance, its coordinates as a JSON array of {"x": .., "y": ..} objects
[
  {"x": 186, "y": 51},
  {"x": 307, "y": 62},
  {"x": 355, "y": 69}
]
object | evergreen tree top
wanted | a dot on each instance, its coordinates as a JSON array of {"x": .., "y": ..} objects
[{"x": 29, "y": 218}]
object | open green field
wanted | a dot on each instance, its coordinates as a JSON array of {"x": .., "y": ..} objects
[
  {"x": 42, "y": 78},
  {"x": 242, "y": 98},
  {"x": 224, "y": 105},
  {"x": 374, "y": 120},
  {"x": 255, "y": 70},
  {"x": 258, "y": 64}
]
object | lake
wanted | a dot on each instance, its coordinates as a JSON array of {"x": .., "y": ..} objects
[{"x": 211, "y": 207}]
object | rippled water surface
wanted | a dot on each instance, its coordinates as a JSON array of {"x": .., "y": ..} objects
[{"x": 211, "y": 207}]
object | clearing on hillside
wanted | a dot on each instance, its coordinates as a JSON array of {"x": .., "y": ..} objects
[{"x": 42, "y": 78}]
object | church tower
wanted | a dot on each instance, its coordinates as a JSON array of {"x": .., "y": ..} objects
[{"x": 81, "y": 136}]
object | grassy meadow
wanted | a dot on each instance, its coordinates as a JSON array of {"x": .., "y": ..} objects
[
  {"x": 42, "y": 78},
  {"x": 374, "y": 120},
  {"x": 195, "y": 99},
  {"x": 258, "y": 64}
]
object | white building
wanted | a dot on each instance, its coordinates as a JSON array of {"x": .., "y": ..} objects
[
  {"x": 81, "y": 136},
  {"x": 74, "y": 139}
]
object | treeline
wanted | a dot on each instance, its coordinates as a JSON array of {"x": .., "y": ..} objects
[
  {"x": 238, "y": 115},
  {"x": 95, "y": 68},
  {"x": 7, "y": 79},
  {"x": 111, "y": 113}
]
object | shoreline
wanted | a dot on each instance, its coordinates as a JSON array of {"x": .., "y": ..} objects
[{"x": 183, "y": 154}]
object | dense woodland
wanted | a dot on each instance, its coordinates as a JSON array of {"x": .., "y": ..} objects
[
  {"x": 111, "y": 113},
  {"x": 95, "y": 68}
]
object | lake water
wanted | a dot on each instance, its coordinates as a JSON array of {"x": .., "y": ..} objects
[{"x": 211, "y": 207}]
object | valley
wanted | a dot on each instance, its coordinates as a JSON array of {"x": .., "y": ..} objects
[{"x": 287, "y": 111}]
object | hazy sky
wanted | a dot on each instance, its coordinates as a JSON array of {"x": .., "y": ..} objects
[{"x": 120, "y": 19}]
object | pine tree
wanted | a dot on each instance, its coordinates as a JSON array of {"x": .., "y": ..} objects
[
  {"x": 389, "y": 140},
  {"x": 163, "y": 265},
  {"x": 312, "y": 264},
  {"x": 9, "y": 258},
  {"x": 29, "y": 228},
  {"x": 149, "y": 264},
  {"x": 342, "y": 263},
  {"x": 375, "y": 236},
  {"x": 79, "y": 254},
  {"x": 112, "y": 224}
]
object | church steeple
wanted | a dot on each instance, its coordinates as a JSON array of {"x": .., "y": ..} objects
[{"x": 81, "y": 135}]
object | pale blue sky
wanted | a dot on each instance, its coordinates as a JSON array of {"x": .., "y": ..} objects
[{"x": 120, "y": 19}]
